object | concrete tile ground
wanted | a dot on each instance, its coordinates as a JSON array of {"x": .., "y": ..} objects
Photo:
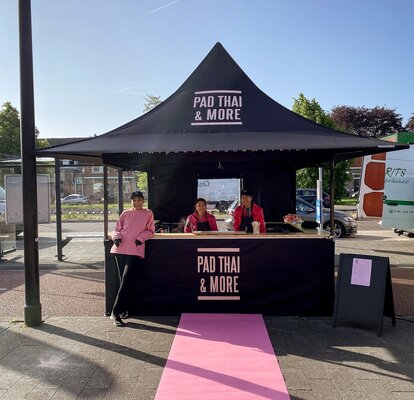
[
  {"x": 88, "y": 358},
  {"x": 346, "y": 362},
  {"x": 84, "y": 357},
  {"x": 77, "y": 353}
]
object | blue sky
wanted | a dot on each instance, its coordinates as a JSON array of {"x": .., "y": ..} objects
[{"x": 94, "y": 60}]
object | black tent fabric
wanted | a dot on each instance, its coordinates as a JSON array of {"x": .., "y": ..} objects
[
  {"x": 219, "y": 109},
  {"x": 172, "y": 190},
  {"x": 219, "y": 124}
]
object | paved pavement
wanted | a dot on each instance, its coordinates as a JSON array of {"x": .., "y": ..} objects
[{"x": 77, "y": 353}]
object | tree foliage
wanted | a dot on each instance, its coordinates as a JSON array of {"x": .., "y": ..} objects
[
  {"x": 410, "y": 124},
  {"x": 142, "y": 181},
  {"x": 41, "y": 143},
  {"x": 10, "y": 132},
  {"x": 311, "y": 109},
  {"x": 151, "y": 101},
  {"x": 370, "y": 122},
  {"x": 307, "y": 177}
]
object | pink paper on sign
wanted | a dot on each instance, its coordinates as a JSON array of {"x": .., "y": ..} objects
[
  {"x": 222, "y": 356},
  {"x": 361, "y": 272}
]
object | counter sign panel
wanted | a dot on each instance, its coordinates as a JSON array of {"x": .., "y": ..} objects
[
  {"x": 219, "y": 271},
  {"x": 217, "y": 107}
]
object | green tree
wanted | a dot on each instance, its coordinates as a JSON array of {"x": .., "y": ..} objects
[
  {"x": 307, "y": 177},
  {"x": 311, "y": 109},
  {"x": 10, "y": 132},
  {"x": 151, "y": 102},
  {"x": 142, "y": 181},
  {"x": 41, "y": 143},
  {"x": 410, "y": 124}
]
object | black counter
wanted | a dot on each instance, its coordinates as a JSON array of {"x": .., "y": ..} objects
[{"x": 277, "y": 275}]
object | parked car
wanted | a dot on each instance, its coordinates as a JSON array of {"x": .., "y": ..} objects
[
  {"x": 233, "y": 205},
  {"x": 345, "y": 224},
  {"x": 2, "y": 200},
  {"x": 112, "y": 198},
  {"x": 223, "y": 205},
  {"x": 354, "y": 195},
  {"x": 2, "y": 194},
  {"x": 75, "y": 199},
  {"x": 310, "y": 196}
]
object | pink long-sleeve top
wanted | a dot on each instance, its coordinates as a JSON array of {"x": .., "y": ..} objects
[{"x": 133, "y": 225}]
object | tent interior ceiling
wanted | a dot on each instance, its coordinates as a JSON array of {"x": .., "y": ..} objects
[{"x": 219, "y": 115}]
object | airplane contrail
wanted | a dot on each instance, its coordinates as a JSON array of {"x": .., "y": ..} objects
[{"x": 160, "y": 8}]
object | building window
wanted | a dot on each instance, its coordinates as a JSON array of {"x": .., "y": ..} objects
[{"x": 97, "y": 170}]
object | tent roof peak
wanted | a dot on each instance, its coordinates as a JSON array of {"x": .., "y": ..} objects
[{"x": 219, "y": 108}]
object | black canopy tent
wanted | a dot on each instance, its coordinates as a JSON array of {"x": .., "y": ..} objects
[{"x": 219, "y": 124}]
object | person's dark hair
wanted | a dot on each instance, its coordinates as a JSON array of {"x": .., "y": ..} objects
[
  {"x": 246, "y": 192},
  {"x": 137, "y": 193},
  {"x": 200, "y": 199}
]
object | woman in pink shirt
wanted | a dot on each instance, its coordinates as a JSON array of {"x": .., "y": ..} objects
[
  {"x": 200, "y": 220},
  {"x": 133, "y": 228}
]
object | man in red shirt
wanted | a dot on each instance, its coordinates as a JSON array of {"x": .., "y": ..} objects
[{"x": 248, "y": 212}]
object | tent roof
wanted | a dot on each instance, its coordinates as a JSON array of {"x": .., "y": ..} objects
[{"x": 219, "y": 109}]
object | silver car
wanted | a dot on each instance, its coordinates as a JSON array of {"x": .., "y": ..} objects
[
  {"x": 345, "y": 224},
  {"x": 75, "y": 199},
  {"x": 310, "y": 196}
]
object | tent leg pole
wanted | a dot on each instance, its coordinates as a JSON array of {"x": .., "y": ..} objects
[
  {"x": 120, "y": 191},
  {"x": 58, "y": 211},
  {"x": 332, "y": 194},
  {"x": 105, "y": 182}
]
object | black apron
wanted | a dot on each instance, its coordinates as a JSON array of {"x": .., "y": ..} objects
[
  {"x": 203, "y": 226},
  {"x": 246, "y": 221}
]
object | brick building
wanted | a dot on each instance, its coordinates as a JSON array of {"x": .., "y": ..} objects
[{"x": 87, "y": 180}]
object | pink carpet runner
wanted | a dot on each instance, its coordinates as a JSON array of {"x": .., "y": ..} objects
[{"x": 222, "y": 357}]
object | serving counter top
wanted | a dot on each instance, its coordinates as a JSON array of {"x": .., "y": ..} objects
[{"x": 311, "y": 233}]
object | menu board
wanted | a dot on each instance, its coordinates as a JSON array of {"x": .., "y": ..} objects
[{"x": 364, "y": 290}]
